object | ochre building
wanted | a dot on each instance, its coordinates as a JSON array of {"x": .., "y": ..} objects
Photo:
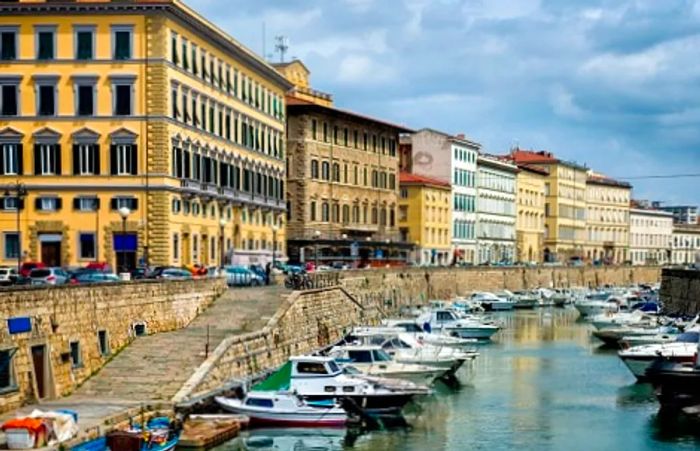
[
  {"x": 138, "y": 132},
  {"x": 425, "y": 218},
  {"x": 607, "y": 219},
  {"x": 529, "y": 224}
]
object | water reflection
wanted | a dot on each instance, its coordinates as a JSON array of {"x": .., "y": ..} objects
[{"x": 543, "y": 383}]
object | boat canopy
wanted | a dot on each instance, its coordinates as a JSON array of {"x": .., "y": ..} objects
[{"x": 277, "y": 381}]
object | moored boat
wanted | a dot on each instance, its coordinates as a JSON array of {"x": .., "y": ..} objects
[{"x": 284, "y": 409}]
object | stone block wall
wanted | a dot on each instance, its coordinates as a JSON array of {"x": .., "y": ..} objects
[
  {"x": 66, "y": 314},
  {"x": 680, "y": 291},
  {"x": 307, "y": 321}
]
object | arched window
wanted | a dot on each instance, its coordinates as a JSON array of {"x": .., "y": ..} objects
[
  {"x": 314, "y": 169},
  {"x": 336, "y": 172},
  {"x": 312, "y": 210},
  {"x": 336, "y": 212},
  {"x": 346, "y": 214},
  {"x": 325, "y": 170},
  {"x": 356, "y": 214},
  {"x": 325, "y": 212}
]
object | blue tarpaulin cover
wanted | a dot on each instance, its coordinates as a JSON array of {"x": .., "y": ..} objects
[{"x": 19, "y": 324}]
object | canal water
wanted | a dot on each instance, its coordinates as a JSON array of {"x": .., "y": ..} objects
[{"x": 543, "y": 384}]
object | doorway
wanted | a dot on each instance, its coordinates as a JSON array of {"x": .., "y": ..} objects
[{"x": 40, "y": 370}]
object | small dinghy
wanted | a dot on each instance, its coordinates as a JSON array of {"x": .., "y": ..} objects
[{"x": 285, "y": 409}]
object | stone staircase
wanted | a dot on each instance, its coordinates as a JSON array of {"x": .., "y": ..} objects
[{"x": 153, "y": 368}]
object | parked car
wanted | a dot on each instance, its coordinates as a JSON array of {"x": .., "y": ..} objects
[
  {"x": 88, "y": 277},
  {"x": 196, "y": 270},
  {"x": 139, "y": 273},
  {"x": 48, "y": 276},
  {"x": 171, "y": 273},
  {"x": 99, "y": 266},
  {"x": 27, "y": 267},
  {"x": 259, "y": 270},
  {"x": 240, "y": 276},
  {"x": 8, "y": 275}
]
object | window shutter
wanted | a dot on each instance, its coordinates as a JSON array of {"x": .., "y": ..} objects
[
  {"x": 20, "y": 159},
  {"x": 97, "y": 203},
  {"x": 57, "y": 157},
  {"x": 96, "y": 159},
  {"x": 59, "y": 204},
  {"x": 21, "y": 203},
  {"x": 76, "y": 203},
  {"x": 37, "y": 160},
  {"x": 37, "y": 204},
  {"x": 134, "y": 159},
  {"x": 113, "y": 161},
  {"x": 76, "y": 159},
  {"x": 113, "y": 203},
  {"x": 2, "y": 161},
  {"x": 135, "y": 204}
]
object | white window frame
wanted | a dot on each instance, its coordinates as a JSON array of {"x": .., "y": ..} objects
[
  {"x": 48, "y": 203},
  {"x": 124, "y": 156},
  {"x": 83, "y": 204},
  {"x": 10, "y": 152},
  {"x": 85, "y": 159}
]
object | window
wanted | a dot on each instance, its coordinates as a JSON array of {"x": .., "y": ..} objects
[
  {"x": 325, "y": 212},
  {"x": 325, "y": 170},
  {"x": 311, "y": 368},
  {"x": 46, "y": 105},
  {"x": 86, "y": 99},
  {"x": 173, "y": 49},
  {"x": 45, "y": 42},
  {"x": 314, "y": 169},
  {"x": 176, "y": 246},
  {"x": 84, "y": 43},
  {"x": 86, "y": 203},
  {"x": 8, "y": 43},
  {"x": 103, "y": 342},
  {"x": 123, "y": 158},
  {"x": 122, "y": 99},
  {"x": 8, "y": 100},
  {"x": 86, "y": 159},
  {"x": 75, "y": 354},
  {"x": 312, "y": 210},
  {"x": 175, "y": 111},
  {"x": 10, "y": 159},
  {"x": 11, "y": 244},
  {"x": 125, "y": 202},
  {"x": 121, "y": 42},
  {"x": 314, "y": 126},
  {"x": 47, "y": 159},
  {"x": 47, "y": 203},
  {"x": 86, "y": 245}
]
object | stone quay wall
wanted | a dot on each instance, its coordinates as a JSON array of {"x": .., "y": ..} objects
[
  {"x": 67, "y": 314},
  {"x": 680, "y": 290},
  {"x": 392, "y": 288},
  {"x": 307, "y": 321}
]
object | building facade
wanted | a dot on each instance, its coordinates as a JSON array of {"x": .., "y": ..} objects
[
  {"x": 529, "y": 224},
  {"x": 451, "y": 159},
  {"x": 565, "y": 204},
  {"x": 141, "y": 133},
  {"x": 495, "y": 210},
  {"x": 651, "y": 236},
  {"x": 607, "y": 219},
  {"x": 686, "y": 244},
  {"x": 682, "y": 214},
  {"x": 425, "y": 218}
]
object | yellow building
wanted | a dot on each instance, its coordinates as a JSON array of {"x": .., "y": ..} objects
[
  {"x": 143, "y": 111},
  {"x": 607, "y": 219},
  {"x": 565, "y": 205},
  {"x": 425, "y": 217},
  {"x": 298, "y": 74},
  {"x": 530, "y": 201}
]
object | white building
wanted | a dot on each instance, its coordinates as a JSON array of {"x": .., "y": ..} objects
[
  {"x": 686, "y": 244},
  {"x": 451, "y": 159},
  {"x": 651, "y": 234},
  {"x": 495, "y": 210}
]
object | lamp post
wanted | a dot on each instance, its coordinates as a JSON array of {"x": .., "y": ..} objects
[
  {"x": 124, "y": 212},
  {"x": 275, "y": 229},
  {"x": 418, "y": 253},
  {"x": 20, "y": 192},
  {"x": 317, "y": 235},
  {"x": 222, "y": 224}
]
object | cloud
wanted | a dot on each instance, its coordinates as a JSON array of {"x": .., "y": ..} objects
[{"x": 361, "y": 69}]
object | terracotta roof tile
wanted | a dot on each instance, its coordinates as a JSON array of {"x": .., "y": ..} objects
[{"x": 407, "y": 177}]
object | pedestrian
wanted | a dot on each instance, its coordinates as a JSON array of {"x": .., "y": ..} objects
[{"x": 268, "y": 270}]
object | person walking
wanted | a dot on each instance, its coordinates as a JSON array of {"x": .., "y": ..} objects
[{"x": 268, "y": 271}]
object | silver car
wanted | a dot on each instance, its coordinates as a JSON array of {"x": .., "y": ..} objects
[
  {"x": 48, "y": 276},
  {"x": 7, "y": 275}
]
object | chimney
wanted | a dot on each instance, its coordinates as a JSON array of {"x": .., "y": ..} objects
[{"x": 460, "y": 135}]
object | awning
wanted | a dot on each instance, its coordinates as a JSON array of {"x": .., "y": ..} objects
[{"x": 125, "y": 243}]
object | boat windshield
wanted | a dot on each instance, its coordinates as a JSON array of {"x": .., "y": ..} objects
[
  {"x": 259, "y": 402},
  {"x": 381, "y": 356},
  {"x": 689, "y": 337},
  {"x": 410, "y": 327},
  {"x": 333, "y": 367},
  {"x": 360, "y": 356},
  {"x": 445, "y": 315}
]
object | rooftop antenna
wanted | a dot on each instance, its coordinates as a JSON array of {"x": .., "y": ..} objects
[
  {"x": 281, "y": 46},
  {"x": 264, "y": 50}
]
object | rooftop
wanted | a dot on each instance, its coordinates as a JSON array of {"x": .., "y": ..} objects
[
  {"x": 520, "y": 156},
  {"x": 600, "y": 179},
  {"x": 459, "y": 137},
  {"x": 407, "y": 178}
]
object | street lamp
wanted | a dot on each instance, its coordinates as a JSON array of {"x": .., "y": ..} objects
[
  {"x": 275, "y": 229},
  {"x": 222, "y": 224},
  {"x": 20, "y": 191},
  {"x": 317, "y": 235},
  {"x": 124, "y": 212},
  {"x": 418, "y": 253}
]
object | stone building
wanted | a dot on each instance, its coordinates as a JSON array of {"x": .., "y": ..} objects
[
  {"x": 607, "y": 219},
  {"x": 651, "y": 236},
  {"x": 425, "y": 218},
  {"x": 452, "y": 159},
  {"x": 565, "y": 204},
  {"x": 140, "y": 133},
  {"x": 495, "y": 210},
  {"x": 682, "y": 214},
  {"x": 686, "y": 244},
  {"x": 529, "y": 225}
]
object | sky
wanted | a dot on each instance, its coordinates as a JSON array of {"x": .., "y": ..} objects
[{"x": 613, "y": 84}]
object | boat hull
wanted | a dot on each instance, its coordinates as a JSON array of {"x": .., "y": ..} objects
[
  {"x": 304, "y": 417},
  {"x": 371, "y": 404},
  {"x": 480, "y": 333}
]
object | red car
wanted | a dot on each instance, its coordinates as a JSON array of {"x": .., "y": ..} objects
[
  {"x": 99, "y": 266},
  {"x": 27, "y": 267}
]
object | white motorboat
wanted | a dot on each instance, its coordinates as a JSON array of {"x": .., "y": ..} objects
[
  {"x": 493, "y": 302},
  {"x": 446, "y": 321},
  {"x": 321, "y": 378},
  {"x": 374, "y": 361},
  {"x": 612, "y": 335},
  {"x": 639, "y": 358},
  {"x": 597, "y": 303},
  {"x": 630, "y": 319},
  {"x": 526, "y": 299},
  {"x": 435, "y": 339},
  {"x": 284, "y": 409},
  {"x": 629, "y": 341}
]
